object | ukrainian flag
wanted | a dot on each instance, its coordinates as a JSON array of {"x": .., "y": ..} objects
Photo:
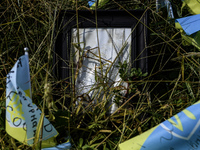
[
  {"x": 17, "y": 85},
  {"x": 92, "y": 3},
  {"x": 180, "y": 132},
  {"x": 22, "y": 116}
]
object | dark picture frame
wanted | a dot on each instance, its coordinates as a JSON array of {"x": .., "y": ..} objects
[
  {"x": 137, "y": 20},
  {"x": 105, "y": 18}
]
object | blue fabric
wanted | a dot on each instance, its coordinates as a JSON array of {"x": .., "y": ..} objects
[
  {"x": 91, "y": 2},
  {"x": 63, "y": 146},
  {"x": 190, "y": 24}
]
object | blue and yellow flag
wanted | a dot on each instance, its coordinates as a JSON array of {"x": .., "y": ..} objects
[
  {"x": 192, "y": 6},
  {"x": 180, "y": 132},
  {"x": 22, "y": 116},
  {"x": 92, "y": 3},
  {"x": 189, "y": 26}
]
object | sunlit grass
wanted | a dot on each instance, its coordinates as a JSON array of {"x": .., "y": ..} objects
[{"x": 171, "y": 85}]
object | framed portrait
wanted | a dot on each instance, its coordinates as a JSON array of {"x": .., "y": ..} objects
[{"x": 91, "y": 45}]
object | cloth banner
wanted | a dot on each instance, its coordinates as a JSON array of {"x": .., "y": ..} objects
[
  {"x": 92, "y": 3},
  {"x": 180, "y": 132},
  {"x": 193, "y": 39},
  {"x": 189, "y": 26},
  {"x": 167, "y": 4},
  {"x": 22, "y": 116},
  {"x": 192, "y": 6},
  {"x": 64, "y": 146}
]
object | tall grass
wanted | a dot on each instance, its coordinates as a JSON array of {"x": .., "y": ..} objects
[{"x": 171, "y": 85}]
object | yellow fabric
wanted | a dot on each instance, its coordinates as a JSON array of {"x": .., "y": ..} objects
[
  {"x": 16, "y": 112},
  {"x": 100, "y": 3},
  {"x": 17, "y": 133},
  {"x": 189, "y": 114},
  {"x": 178, "y": 26},
  {"x": 194, "y": 8},
  {"x": 194, "y": 39},
  {"x": 178, "y": 124},
  {"x": 49, "y": 142},
  {"x": 28, "y": 92},
  {"x": 16, "y": 108},
  {"x": 193, "y": 5},
  {"x": 136, "y": 142}
]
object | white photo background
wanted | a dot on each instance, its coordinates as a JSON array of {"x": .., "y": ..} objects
[{"x": 114, "y": 45}]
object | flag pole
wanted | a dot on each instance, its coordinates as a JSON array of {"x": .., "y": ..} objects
[{"x": 26, "y": 49}]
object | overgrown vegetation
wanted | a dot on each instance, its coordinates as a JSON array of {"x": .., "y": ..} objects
[{"x": 171, "y": 85}]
